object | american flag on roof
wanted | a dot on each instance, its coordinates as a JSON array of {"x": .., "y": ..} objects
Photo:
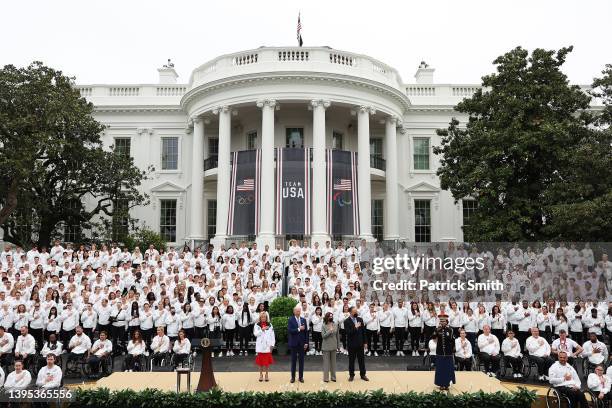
[
  {"x": 299, "y": 31},
  {"x": 247, "y": 185},
  {"x": 343, "y": 185}
]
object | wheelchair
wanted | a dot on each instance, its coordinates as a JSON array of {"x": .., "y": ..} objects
[
  {"x": 554, "y": 399},
  {"x": 505, "y": 368},
  {"x": 141, "y": 361},
  {"x": 188, "y": 362},
  {"x": 164, "y": 361},
  {"x": 596, "y": 402},
  {"x": 76, "y": 365},
  {"x": 106, "y": 367}
]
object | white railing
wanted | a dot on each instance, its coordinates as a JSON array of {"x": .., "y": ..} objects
[
  {"x": 292, "y": 55},
  {"x": 124, "y": 91},
  {"x": 342, "y": 59},
  {"x": 421, "y": 90},
  {"x": 171, "y": 90},
  {"x": 245, "y": 59},
  {"x": 464, "y": 91},
  {"x": 85, "y": 91}
]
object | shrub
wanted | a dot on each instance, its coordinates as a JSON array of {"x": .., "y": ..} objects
[
  {"x": 142, "y": 238},
  {"x": 282, "y": 307},
  {"x": 280, "y": 328},
  {"x": 102, "y": 397}
]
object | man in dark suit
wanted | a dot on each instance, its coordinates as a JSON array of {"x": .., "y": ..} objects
[
  {"x": 356, "y": 342},
  {"x": 298, "y": 341}
]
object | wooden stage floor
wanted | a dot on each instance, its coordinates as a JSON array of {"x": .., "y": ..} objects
[{"x": 388, "y": 381}]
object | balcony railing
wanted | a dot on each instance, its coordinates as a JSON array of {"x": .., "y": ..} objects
[
  {"x": 377, "y": 162},
  {"x": 211, "y": 163}
]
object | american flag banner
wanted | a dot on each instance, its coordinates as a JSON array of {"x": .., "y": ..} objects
[
  {"x": 342, "y": 193},
  {"x": 343, "y": 184},
  {"x": 243, "y": 214},
  {"x": 247, "y": 185}
]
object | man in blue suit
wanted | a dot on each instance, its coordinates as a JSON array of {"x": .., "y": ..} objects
[{"x": 298, "y": 341}]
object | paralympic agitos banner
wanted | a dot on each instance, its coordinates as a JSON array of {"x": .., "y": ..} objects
[
  {"x": 243, "y": 214},
  {"x": 293, "y": 190},
  {"x": 342, "y": 202}
]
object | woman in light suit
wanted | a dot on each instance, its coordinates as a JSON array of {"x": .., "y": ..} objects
[{"x": 329, "y": 347}]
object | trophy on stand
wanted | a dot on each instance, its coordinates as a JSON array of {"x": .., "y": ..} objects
[{"x": 207, "y": 375}]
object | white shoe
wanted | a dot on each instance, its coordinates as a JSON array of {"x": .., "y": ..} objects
[
  {"x": 375, "y": 354},
  {"x": 397, "y": 353},
  {"x": 220, "y": 354},
  {"x": 540, "y": 378},
  {"x": 368, "y": 354},
  {"x": 519, "y": 375}
]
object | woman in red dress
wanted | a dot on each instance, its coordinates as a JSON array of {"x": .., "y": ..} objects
[{"x": 265, "y": 340}]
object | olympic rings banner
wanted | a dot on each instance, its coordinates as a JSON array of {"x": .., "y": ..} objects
[
  {"x": 342, "y": 194},
  {"x": 293, "y": 191},
  {"x": 243, "y": 214}
]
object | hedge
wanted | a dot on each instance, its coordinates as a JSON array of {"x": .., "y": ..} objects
[
  {"x": 282, "y": 307},
  {"x": 154, "y": 398}
]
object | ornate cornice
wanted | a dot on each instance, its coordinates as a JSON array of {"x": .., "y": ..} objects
[
  {"x": 320, "y": 102},
  {"x": 350, "y": 81}
]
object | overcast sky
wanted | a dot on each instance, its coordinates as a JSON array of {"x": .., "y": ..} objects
[{"x": 124, "y": 41}]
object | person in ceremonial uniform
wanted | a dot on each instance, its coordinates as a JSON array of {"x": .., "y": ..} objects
[{"x": 445, "y": 347}]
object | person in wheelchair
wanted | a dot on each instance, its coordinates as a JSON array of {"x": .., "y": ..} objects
[
  {"x": 99, "y": 353},
  {"x": 564, "y": 378},
  {"x": 135, "y": 352},
  {"x": 6, "y": 347},
  {"x": 463, "y": 352},
  {"x": 160, "y": 346},
  {"x": 49, "y": 376},
  {"x": 564, "y": 343},
  {"x": 595, "y": 351},
  {"x": 182, "y": 349},
  {"x": 539, "y": 353},
  {"x": 512, "y": 354},
  {"x": 599, "y": 385},
  {"x": 52, "y": 346},
  {"x": 488, "y": 344},
  {"x": 79, "y": 345},
  {"x": 25, "y": 347}
]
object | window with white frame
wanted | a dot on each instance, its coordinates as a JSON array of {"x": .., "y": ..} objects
[
  {"x": 167, "y": 222},
  {"x": 422, "y": 220},
  {"x": 421, "y": 153},
  {"x": 469, "y": 208},
  {"x": 252, "y": 140},
  {"x": 211, "y": 218},
  {"x": 378, "y": 227},
  {"x": 123, "y": 146},
  {"x": 170, "y": 153},
  {"x": 337, "y": 140}
]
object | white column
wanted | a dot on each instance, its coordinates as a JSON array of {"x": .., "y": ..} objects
[
  {"x": 363, "y": 172},
  {"x": 223, "y": 174},
  {"x": 197, "y": 180},
  {"x": 266, "y": 235},
  {"x": 391, "y": 178},
  {"x": 319, "y": 226}
]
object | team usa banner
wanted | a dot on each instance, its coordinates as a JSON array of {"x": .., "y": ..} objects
[
  {"x": 342, "y": 202},
  {"x": 243, "y": 215},
  {"x": 293, "y": 191}
]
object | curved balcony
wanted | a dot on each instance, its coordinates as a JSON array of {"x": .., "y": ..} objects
[
  {"x": 376, "y": 162},
  {"x": 287, "y": 60}
]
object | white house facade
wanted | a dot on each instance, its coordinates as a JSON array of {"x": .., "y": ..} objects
[{"x": 271, "y": 97}]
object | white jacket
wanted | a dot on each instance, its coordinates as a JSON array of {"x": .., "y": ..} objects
[{"x": 265, "y": 339}]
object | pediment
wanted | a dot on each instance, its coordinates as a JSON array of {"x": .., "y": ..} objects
[
  {"x": 422, "y": 187},
  {"x": 167, "y": 186}
]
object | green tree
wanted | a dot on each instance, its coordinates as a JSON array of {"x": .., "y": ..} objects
[
  {"x": 54, "y": 171},
  {"x": 527, "y": 131}
]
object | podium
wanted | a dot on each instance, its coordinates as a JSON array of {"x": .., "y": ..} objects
[{"x": 207, "y": 374}]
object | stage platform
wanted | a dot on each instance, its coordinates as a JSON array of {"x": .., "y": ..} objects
[{"x": 388, "y": 381}]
